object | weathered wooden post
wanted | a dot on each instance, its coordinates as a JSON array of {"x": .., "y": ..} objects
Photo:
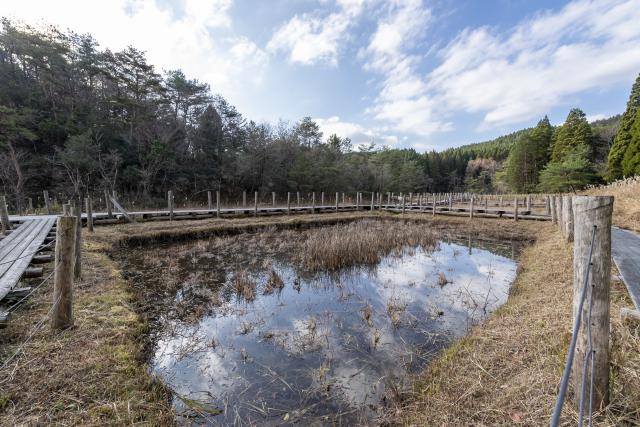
[
  {"x": 500, "y": 202},
  {"x": 372, "y": 199},
  {"x": 560, "y": 213},
  {"x": 255, "y": 203},
  {"x": 4, "y": 214},
  {"x": 450, "y": 201},
  {"x": 388, "y": 198},
  {"x": 218, "y": 203},
  {"x": 567, "y": 214},
  {"x": 343, "y": 199},
  {"x": 210, "y": 200},
  {"x": 515, "y": 209},
  {"x": 298, "y": 196},
  {"x": 62, "y": 311},
  {"x": 547, "y": 202},
  {"x": 528, "y": 202},
  {"x": 486, "y": 204},
  {"x": 288, "y": 203},
  {"x": 552, "y": 208},
  {"x": 357, "y": 201},
  {"x": 47, "y": 201},
  {"x": 471, "y": 208},
  {"x": 402, "y": 202},
  {"x": 592, "y": 212},
  {"x": 273, "y": 199},
  {"x": 107, "y": 204},
  {"x": 244, "y": 198},
  {"x": 170, "y": 204},
  {"x": 322, "y": 199},
  {"x": 77, "y": 211},
  {"x": 433, "y": 208},
  {"x": 313, "y": 202},
  {"x": 89, "y": 207},
  {"x": 30, "y": 204}
]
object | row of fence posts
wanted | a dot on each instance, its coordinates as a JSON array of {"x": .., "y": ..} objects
[{"x": 586, "y": 221}]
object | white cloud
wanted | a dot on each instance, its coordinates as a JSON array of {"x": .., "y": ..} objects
[
  {"x": 170, "y": 41},
  {"x": 310, "y": 38},
  {"x": 540, "y": 63},
  {"x": 356, "y": 132},
  {"x": 403, "y": 102}
]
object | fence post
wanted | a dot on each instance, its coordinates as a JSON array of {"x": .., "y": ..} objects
[
  {"x": 528, "y": 202},
  {"x": 560, "y": 214},
  {"x": 89, "y": 207},
  {"x": 62, "y": 311},
  {"x": 255, "y": 203},
  {"x": 107, "y": 204},
  {"x": 218, "y": 203},
  {"x": 372, "y": 198},
  {"x": 403, "y": 202},
  {"x": 471, "y": 208},
  {"x": 337, "y": 201},
  {"x": 357, "y": 201},
  {"x": 77, "y": 211},
  {"x": 273, "y": 199},
  {"x": 313, "y": 202},
  {"x": 210, "y": 200},
  {"x": 244, "y": 198},
  {"x": 552, "y": 207},
  {"x": 548, "y": 204},
  {"x": 567, "y": 214},
  {"x": 589, "y": 212},
  {"x": 288, "y": 202},
  {"x": 170, "y": 204},
  {"x": 515, "y": 209},
  {"x": 47, "y": 201},
  {"x": 4, "y": 214},
  {"x": 298, "y": 196},
  {"x": 322, "y": 199},
  {"x": 433, "y": 208}
]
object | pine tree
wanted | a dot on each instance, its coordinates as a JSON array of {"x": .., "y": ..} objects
[
  {"x": 631, "y": 159},
  {"x": 574, "y": 132},
  {"x": 623, "y": 137},
  {"x": 528, "y": 156},
  {"x": 571, "y": 173}
]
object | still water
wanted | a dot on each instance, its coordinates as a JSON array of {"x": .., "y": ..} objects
[{"x": 327, "y": 348}]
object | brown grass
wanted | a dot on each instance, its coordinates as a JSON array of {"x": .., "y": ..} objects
[
  {"x": 362, "y": 242},
  {"x": 273, "y": 282},
  {"x": 507, "y": 370},
  {"x": 244, "y": 285},
  {"x": 626, "y": 207}
]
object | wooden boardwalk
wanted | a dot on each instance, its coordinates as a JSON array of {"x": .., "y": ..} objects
[
  {"x": 18, "y": 248},
  {"x": 625, "y": 250}
]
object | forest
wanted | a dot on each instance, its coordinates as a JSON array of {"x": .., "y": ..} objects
[{"x": 76, "y": 120}]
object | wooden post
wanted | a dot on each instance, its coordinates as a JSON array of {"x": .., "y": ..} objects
[
  {"x": 547, "y": 201},
  {"x": 560, "y": 213},
  {"x": 4, "y": 214},
  {"x": 313, "y": 202},
  {"x": 47, "y": 201},
  {"x": 568, "y": 218},
  {"x": 288, "y": 203},
  {"x": 471, "y": 208},
  {"x": 218, "y": 203},
  {"x": 337, "y": 201},
  {"x": 372, "y": 198},
  {"x": 357, "y": 201},
  {"x": 210, "y": 200},
  {"x": 77, "y": 210},
  {"x": 402, "y": 202},
  {"x": 89, "y": 207},
  {"x": 450, "y": 201},
  {"x": 589, "y": 212},
  {"x": 170, "y": 204},
  {"x": 107, "y": 204},
  {"x": 500, "y": 202},
  {"x": 298, "y": 196},
  {"x": 273, "y": 199},
  {"x": 433, "y": 208},
  {"x": 388, "y": 198},
  {"x": 322, "y": 199},
  {"x": 552, "y": 207},
  {"x": 255, "y": 203},
  {"x": 62, "y": 311},
  {"x": 515, "y": 209},
  {"x": 244, "y": 198},
  {"x": 30, "y": 204},
  {"x": 528, "y": 202}
]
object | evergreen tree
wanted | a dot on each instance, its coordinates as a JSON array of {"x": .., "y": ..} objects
[
  {"x": 623, "y": 137},
  {"x": 528, "y": 156},
  {"x": 631, "y": 159},
  {"x": 572, "y": 173},
  {"x": 574, "y": 132}
]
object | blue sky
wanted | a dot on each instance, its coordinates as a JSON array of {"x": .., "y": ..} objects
[{"x": 403, "y": 73}]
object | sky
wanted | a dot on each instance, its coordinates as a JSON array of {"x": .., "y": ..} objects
[{"x": 403, "y": 73}]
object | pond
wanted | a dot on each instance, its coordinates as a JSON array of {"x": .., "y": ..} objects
[{"x": 317, "y": 348}]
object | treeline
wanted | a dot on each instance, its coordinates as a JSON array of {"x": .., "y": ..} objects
[{"x": 76, "y": 119}]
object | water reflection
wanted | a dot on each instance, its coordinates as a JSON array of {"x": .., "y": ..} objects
[{"x": 332, "y": 347}]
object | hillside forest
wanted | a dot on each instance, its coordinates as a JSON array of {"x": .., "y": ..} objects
[{"x": 76, "y": 120}]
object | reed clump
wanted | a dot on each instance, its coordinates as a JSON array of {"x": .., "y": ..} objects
[
  {"x": 273, "y": 282},
  {"x": 363, "y": 242},
  {"x": 244, "y": 286}
]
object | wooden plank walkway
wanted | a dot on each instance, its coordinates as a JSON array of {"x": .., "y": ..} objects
[
  {"x": 625, "y": 250},
  {"x": 18, "y": 248}
]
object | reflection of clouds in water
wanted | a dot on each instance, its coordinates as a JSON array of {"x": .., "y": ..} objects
[{"x": 323, "y": 325}]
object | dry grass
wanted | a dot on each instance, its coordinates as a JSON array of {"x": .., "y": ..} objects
[
  {"x": 626, "y": 207},
  {"x": 244, "y": 285},
  {"x": 362, "y": 242},
  {"x": 273, "y": 282},
  {"x": 507, "y": 370},
  {"x": 91, "y": 374}
]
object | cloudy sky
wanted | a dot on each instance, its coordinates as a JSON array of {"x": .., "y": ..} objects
[{"x": 405, "y": 73}]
